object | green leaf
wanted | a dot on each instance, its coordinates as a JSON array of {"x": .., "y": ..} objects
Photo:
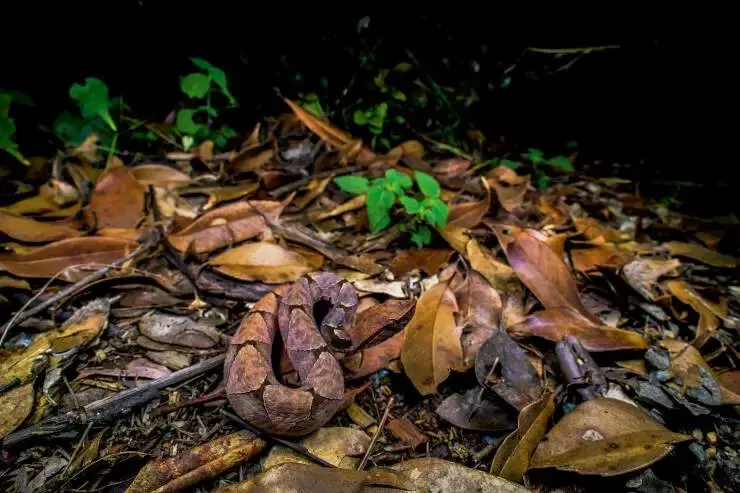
[
  {"x": 352, "y": 184},
  {"x": 427, "y": 184},
  {"x": 376, "y": 122},
  {"x": 379, "y": 203},
  {"x": 385, "y": 142},
  {"x": 228, "y": 132},
  {"x": 398, "y": 95},
  {"x": 560, "y": 163},
  {"x": 438, "y": 212},
  {"x": 314, "y": 107},
  {"x": 195, "y": 85},
  {"x": 536, "y": 156},
  {"x": 92, "y": 99},
  {"x": 360, "y": 118},
  {"x": 403, "y": 67},
  {"x": 381, "y": 109},
  {"x": 422, "y": 236},
  {"x": 401, "y": 179},
  {"x": 411, "y": 205},
  {"x": 510, "y": 164},
  {"x": 208, "y": 109},
  {"x": 216, "y": 75},
  {"x": 542, "y": 180},
  {"x": 399, "y": 119},
  {"x": 185, "y": 124}
]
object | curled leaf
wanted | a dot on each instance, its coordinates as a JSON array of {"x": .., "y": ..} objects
[
  {"x": 643, "y": 274},
  {"x": 117, "y": 201},
  {"x": 708, "y": 311},
  {"x": 510, "y": 188}
]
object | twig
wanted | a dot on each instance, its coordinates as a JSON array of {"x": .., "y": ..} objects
[
  {"x": 111, "y": 407},
  {"x": 77, "y": 448},
  {"x": 296, "y": 447},
  {"x": 304, "y": 181},
  {"x": 570, "y": 51},
  {"x": 23, "y": 314},
  {"x": 377, "y": 433},
  {"x": 10, "y": 385}
]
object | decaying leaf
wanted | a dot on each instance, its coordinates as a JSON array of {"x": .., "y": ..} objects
[
  {"x": 267, "y": 262},
  {"x": 477, "y": 409},
  {"x": 702, "y": 254},
  {"x": 510, "y": 188},
  {"x": 226, "y": 226},
  {"x": 49, "y": 260},
  {"x": 607, "y": 437},
  {"x": 117, "y": 201},
  {"x": 431, "y": 348},
  {"x": 707, "y": 310},
  {"x": 555, "y": 323},
  {"x": 512, "y": 456},
  {"x": 380, "y": 321},
  {"x": 174, "y": 360},
  {"x": 593, "y": 230},
  {"x": 15, "y": 406},
  {"x": 438, "y": 475},
  {"x": 643, "y": 275},
  {"x": 32, "y": 231},
  {"x": 160, "y": 176},
  {"x": 517, "y": 382},
  {"x": 198, "y": 464},
  {"x": 427, "y": 260},
  {"x": 342, "y": 447},
  {"x": 695, "y": 377},
  {"x": 394, "y": 289},
  {"x": 470, "y": 214},
  {"x": 606, "y": 255},
  {"x": 480, "y": 313},
  {"x": 180, "y": 330}
]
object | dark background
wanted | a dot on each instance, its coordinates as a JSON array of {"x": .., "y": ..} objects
[{"x": 641, "y": 106}]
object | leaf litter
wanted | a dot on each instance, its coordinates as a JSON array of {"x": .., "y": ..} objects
[{"x": 538, "y": 331}]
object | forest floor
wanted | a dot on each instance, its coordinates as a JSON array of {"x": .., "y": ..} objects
[{"x": 521, "y": 326}]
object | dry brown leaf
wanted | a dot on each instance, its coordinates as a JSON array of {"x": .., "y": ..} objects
[
  {"x": 502, "y": 277},
  {"x": 438, "y": 475},
  {"x": 49, "y": 260},
  {"x": 709, "y": 313},
  {"x": 643, "y": 275},
  {"x": 593, "y": 229},
  {"x": 588, "y": 259},
  {"x": 226, "y": 226},
  {"x": 11, "y": 282},
  {"x": 374, "y": 357},
  {"x": 451, "y": 168},
  {"x": 427, "y": 260},
  {"x": 606, "y": 437},
  {"x": 160, "y": 176},
  {"x": 431, "y": 348},
  {"x": 545, "y": 273},
  {"x": 352, "y": 204},
  {"x": 394, "y": 289},
  {"x": 407, "y": 432},
  {"x": 480, "y": 314},
  {"x": 267, "y": 262},
  {"x": 323, "y": 129},
  {"x": 179, "y": 330},
  {"x": 32, "y": 231},
  {"x": 702, "y": 254},
  {"x": 695, "y": 378},
  {"x": 117, "y": 201},
  {"x": 174, "y": 360},
  {"x": 412, "y": 148},
  {"x": 314, "y": 188},
  {"x": 203, "y": 462},
  {"x": 510, "y": 188},
  {"x": 15, "y": 406},
  {"x": 342, "y": 447},
  {"x": 39, "y": 204},
  {"x": 470, "y": 214},
  {"x": 217, "y": 195},
  {"x": 555, "y": 323},
  {"x": 253, "y": 157},
  {"x": 512, "y": 456},
  {"x": 730, "y": 382}
]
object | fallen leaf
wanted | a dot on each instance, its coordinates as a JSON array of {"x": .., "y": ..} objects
[
  {"x": 545, "y": 273},
  {"x": 49, "y": 260},
  {"x": 709, "y": 313},
  {"x": 427, "y": 260},
  {"x": 643, "y": 275},
  {"x": 431, "y": 348},
  {"x": 160, "y": 176},
  {"x": 407, "y": 432},
  {"x": 342, "y": 447},
  {"x": 254, "y": 157},
  {"x": 40, "y": 204},
  {"x": 470, "y": 214},
  {"x": 438, "y": 475},
  {"x": 15, "y": 406},
  {"x": 267, "y": 262},
  {"x": 117, "y": 201},
  {"x": 412, "y": 148},
  {"x": 730, "y": 386},
  {"x": 353, "y": 204},
  {"x": 451, "y": 168},
  {"x": 174, "y": 360},
  {"x": 217, "y": 195},
  {"x": 323, "y": 129},
  {"x": 373, "y": 358},
  {"x": 502, "y": 277},
  {"x": 702, "y": 254},
  {"x": 144, "y": 368},
  {"x": 510, "y": 188},
  {"x": 314, "y": 188},
  {"x": 226, "y": 226},
  {"x": 606, "y": 437},
  {"x": 394, "y": 289},
  {"x": 480, "y": 314},
  {"x": 203, "y": 462},
  {"x": 512, "y": 456},
  {"x": 593, "y": 229},
  {"x": 588, "y": 259},
  {"x": 555, "y": 323},
  {"x": 296, "y": 477},
  {"x": 87, "y": 454},
  {"x": 32, "y": 231},
  {"x": 695, "y": 378},
  {"x": 179, "y": 330},
  {"x": 477, "y": 409},
  {"x": 360, "y": 417},
  {"x": 518, "y": 383},
  {"x": 11, "y": 282}
]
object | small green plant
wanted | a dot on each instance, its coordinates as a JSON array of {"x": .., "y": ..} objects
[
  {"x": 194, "y": 123},
  {"x": 539, "y": 164},
  {"x": 7, "y": 124},
  {"x": 424, "y": 208},
  {"x": 95, "y": 108}
]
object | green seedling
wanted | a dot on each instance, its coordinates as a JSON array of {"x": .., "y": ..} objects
[
  {"x": 95, "y": 106},
  {"x": 7, "y": 124}
]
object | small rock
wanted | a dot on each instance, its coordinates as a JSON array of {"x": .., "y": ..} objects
[
  {"x": 712, "y": 437},
  {"x": 698, "y": 451},
  {"x": 698, "y": 435}
]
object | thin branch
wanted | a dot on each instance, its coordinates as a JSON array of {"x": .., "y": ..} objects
[{"x": 377, "y": 433}]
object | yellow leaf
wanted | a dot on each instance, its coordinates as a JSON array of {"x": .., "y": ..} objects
[
  {"x": 702, "y": 254},
  {"x": 15, "y": 406}
]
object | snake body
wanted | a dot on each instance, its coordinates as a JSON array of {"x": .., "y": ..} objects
[{"x": 252, "y": 388}]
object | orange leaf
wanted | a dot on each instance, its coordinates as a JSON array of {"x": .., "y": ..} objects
[
  {"x": 117, "y": 200},
  {"x": 49, "y": 260},
  {"x": 470, "y": 214},
  {"x": 510, "y": 188},
  {"x": 267, "y": 262},
  {"x": 427, "y": 260},
  {"x": 323, "y": 129},
  {"x": 431, "y": 348},
  {"x": 588, "y": 259},
  {"x": 555, "y": 323},
  {"x": 708, "y": 311},
  {"x": 32, "y": 231}
]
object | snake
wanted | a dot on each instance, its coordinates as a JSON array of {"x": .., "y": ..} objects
[{"x": 313, "y": 316}]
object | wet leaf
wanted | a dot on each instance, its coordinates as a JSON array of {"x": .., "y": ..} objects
[
  {"x": 179, "y": 330},
  {"x": 555, "y": 323},
  {"x": 477, "y": 409},
  {"x": 267, "y": 262},
  {"x": 427, "y": 260},
  {"x": 117, "y": 201},
  {"x": 431, "y": 348},
  {"x": 708, "y": 311},
  {"x": 606, "y": 437},
  {"x": 160, "y": 176},
  {"x": 182, "y": 472},
  {"x": 32, "y": 231},
  {"x": 49, "y": 260},
  {"x": 342, "y": 447},
  {"x": 470, "y": 214},
  {"x": 512, "y": 456},
  {"x": 226, "y": 226},
  {"x": 702, "y": 254},
  {"x": 695, "y": 377},
  {"x": 15, "y": 406},
  {"x": 438, "y": 475},
  {"x": 518, "y": 382},
  {"x": 480, "y": 314},
  {"x": 510, "y": 188},
  {"x": 643, "y": 275}
]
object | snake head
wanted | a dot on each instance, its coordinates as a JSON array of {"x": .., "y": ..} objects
[{"x": 333, "y": 328}]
